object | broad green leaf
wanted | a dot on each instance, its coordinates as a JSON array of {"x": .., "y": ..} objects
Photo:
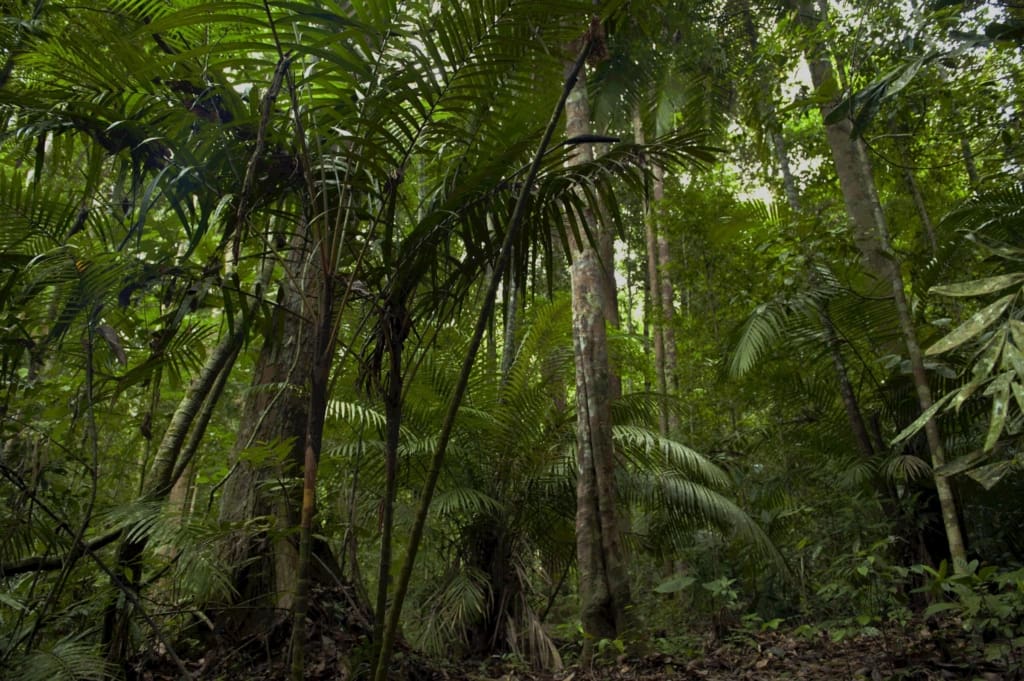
[
  {"x": 973, "y": 327},
  {"x": 674, "y": 584},
  {"x": 1000, "y": 383},
  {"x": 988, "y": 475},
  {"x": 925, "y": 416},
  {"x": 1000, "y": 391},
  {"x": 12, "y": 603},
  {"x": 908, "y": 74},
  {"x": 1013, "y": 358},
  {"x": 979, "y": 287},
  {"x": 964, "y": 393},
  {"x": 935, "y": 608},
  {"x": 961, "y": 464},
  {"x": 984, "y": 365},
  {"x": 1018, "y": 392},
  {"x": 1017, "y": 332},
  {"x": 988, "y": 357}
]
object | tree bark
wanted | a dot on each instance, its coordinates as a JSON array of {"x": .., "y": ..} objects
[
  {"x": 395, "y": 327},
  {"x": 318, "y": 298},
  {"x": 604, "y": 582},
  {"x": 914, "y": 189},
  {"x": 652, "y": 317},
  {"x": 871, "y": 235},
  {"x": 265, "y": 560},
  {"x": 667, "y": 299}
]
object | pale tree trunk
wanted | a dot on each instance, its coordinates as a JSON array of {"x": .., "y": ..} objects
[
  {"x": 851, "y": 404},
  {"x": 969, "y": 165},
  {"x": 380, "y": 672},
  {"x": 668, "y": 306},
  {"x": 604, "y": 582},
  {"x": 652, "y": 313},
  {"x": 914, "y": 188},
  {"x": 871, "y": 235},
  {"x": 508, "y": 345},
  {"x": 833, "y": 342}
]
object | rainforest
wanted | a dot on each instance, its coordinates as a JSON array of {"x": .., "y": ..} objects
[{"x": 511, "y": 339}]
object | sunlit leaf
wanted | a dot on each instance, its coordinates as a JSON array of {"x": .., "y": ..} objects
[
  {"x": 979, "y": 287},
  {"x": 675, "y": 583},
  {"x": 925, "y": 416},
  {"x": 999, "y": 389},
  {"x": 973, "y": 327}
]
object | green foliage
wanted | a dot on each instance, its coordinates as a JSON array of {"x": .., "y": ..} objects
[
  {"x": 65, "y": 660},
  {"x": 987, "y": 601},
  {"x": 994, "y": 335},
  {"x": 159, "y": 162}
]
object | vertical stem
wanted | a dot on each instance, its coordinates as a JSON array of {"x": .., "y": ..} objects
[
  {"x": 871, "y": 235},
  {"x": 319, "y": 381},
  {"x": 653, "y": 307},
  {"x": 394, "y": 329},
  {"x": 437, "y": 461}
]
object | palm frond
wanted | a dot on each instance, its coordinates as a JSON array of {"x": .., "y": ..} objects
[
  {"x": 461, "y": 598},
  {"x": 647, "y": 450},
  {"x": 65, "y": 660}
]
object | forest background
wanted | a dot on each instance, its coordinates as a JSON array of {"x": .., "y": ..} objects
[{"x": 546, "y": 332}]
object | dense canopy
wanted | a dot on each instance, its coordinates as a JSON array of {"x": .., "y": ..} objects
[{"x": 405, "y": 339}]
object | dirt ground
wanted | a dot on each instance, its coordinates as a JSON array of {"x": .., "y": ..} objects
[
  {"x": 918, "y": 654},
  {"x": 933, "y": 650}
]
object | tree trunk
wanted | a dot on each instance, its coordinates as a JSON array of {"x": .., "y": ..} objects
[
  {"x": 262, "y": 552},
  {"x": 871, "y": 235},
  {"x": 320, "y": 299},
  {"x": 667, "y": 299},
  {"x": 850, "y": 403},
  {"x": 969, "y": 165},
  {"x": 177, "y": 447},
  {"x": 914, "y": 189},
  {"x": 604, "y": 582},
  {"x": 653, "y": 308},
  {"x": 380, "y": 672},
  {"x": 395, "y": 327}
]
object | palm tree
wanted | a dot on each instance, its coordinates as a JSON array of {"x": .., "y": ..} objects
[
  {"x": 507, "y": 495},
  {"x": 267, "y": 146}
]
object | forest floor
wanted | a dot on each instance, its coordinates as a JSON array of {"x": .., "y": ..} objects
[
  {"x": 910, "y": 653},
  {"x": 934, "y": 650}
]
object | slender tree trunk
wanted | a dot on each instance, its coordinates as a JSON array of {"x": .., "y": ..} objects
[
  {"x": 653, "y": 307},
  {"x": 396, "y": 327},
  {"x": 871, "y": 235},
  {"x": 969, "y": 165},
  {"x": 320, "y": 300},
  {"x": 380, "y": 672},
  {"x": 667, "y": 299},
  {"x": 508, "y": 344},
  {"x": 914, "y": 189},
  {"x": 178, "y": 445},
  {"x": 850, "y": 403},
  {"x": 604, "y": 582}
]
